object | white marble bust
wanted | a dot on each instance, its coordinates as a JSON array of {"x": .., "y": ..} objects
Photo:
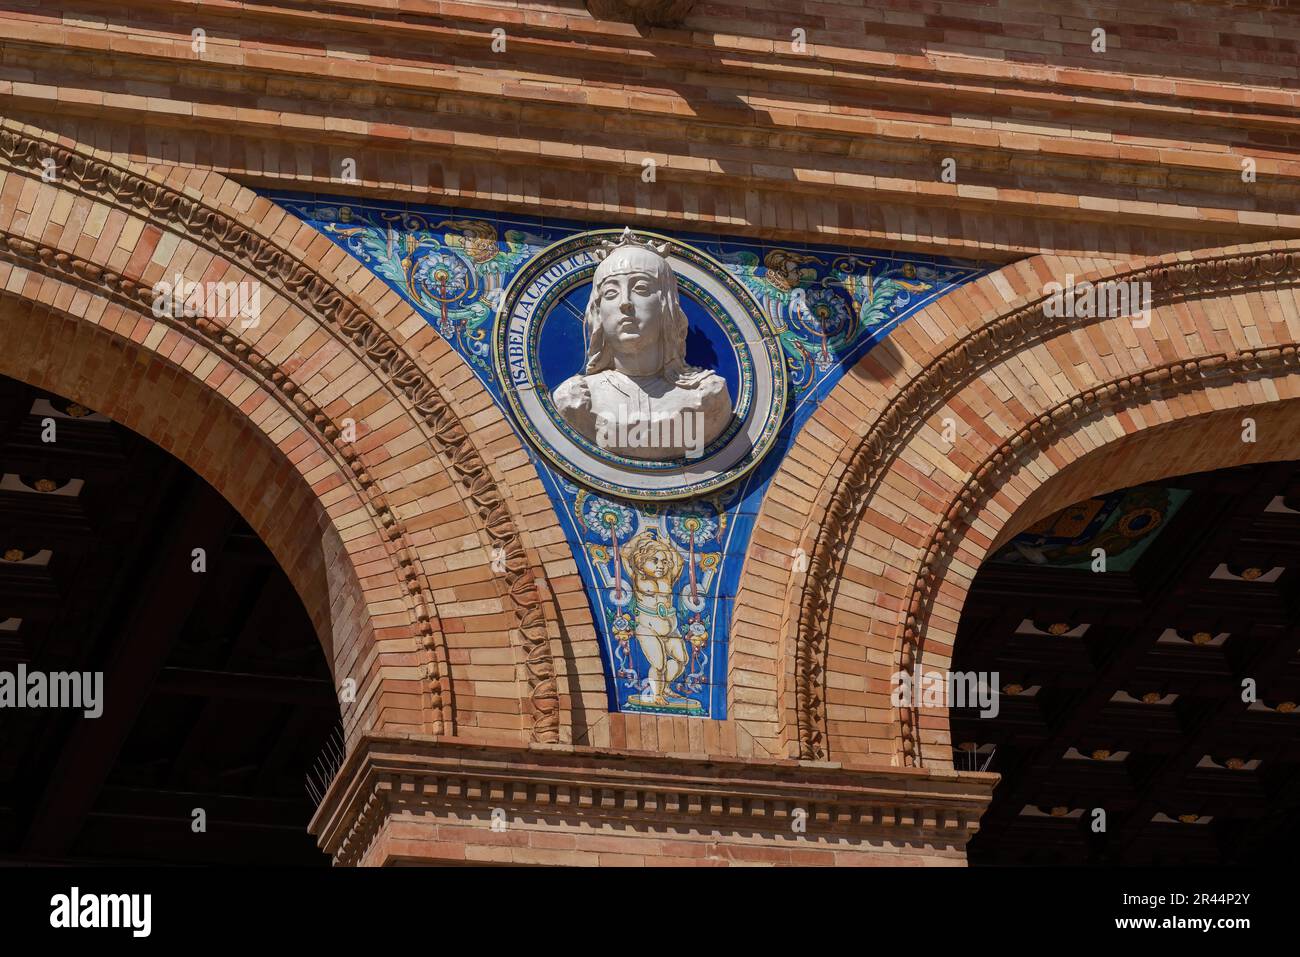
[{"x": 636, "y": 396}]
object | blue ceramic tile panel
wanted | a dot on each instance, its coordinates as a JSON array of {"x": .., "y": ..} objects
[
  {"x": 826, "y": 306},
  {"x": 1122, "y": 523}
]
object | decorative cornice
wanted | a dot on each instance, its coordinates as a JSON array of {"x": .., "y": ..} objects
[
  {"x": 596, "y": 787},
  {"x": 450, "y": 127},
  {"x": 835, "y": 69},
  {"x": 358, "y": 330},
  {"x": 932, "y": 388}
]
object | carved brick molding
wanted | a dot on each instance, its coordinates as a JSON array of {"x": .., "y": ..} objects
[
  {"x": 644, "y": 13},
  {"x": 1162, "y": 382},
  {"x": 424, "y": 798},
  {"x": 353, "y": 326},
  {"x": 943, "y": 378},
  {"x": 49, "y": 261}
]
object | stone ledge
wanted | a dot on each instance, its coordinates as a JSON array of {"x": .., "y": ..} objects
[{"x": 441, "y": 794}]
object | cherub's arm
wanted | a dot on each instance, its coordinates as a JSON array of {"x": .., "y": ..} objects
[{"x": 675, "y": 569}]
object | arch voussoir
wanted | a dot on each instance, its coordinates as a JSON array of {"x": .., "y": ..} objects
[
  {"x": 320, "y": 358},
  {"x": 903, "y": 518}
]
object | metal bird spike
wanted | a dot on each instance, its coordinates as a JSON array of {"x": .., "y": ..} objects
[
  {"x": 985, "y": 765},
  {"x": 328, "y": 761}
]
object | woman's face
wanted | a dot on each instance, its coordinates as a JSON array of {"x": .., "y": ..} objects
[{"x": 631, "y": 310}]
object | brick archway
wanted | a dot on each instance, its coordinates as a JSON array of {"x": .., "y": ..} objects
[
  {"x": 404, "y": 520},
  {"x": 902, "y": 519}
]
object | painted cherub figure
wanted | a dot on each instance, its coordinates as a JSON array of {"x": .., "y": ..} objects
[{"x": 655, "y": 566}]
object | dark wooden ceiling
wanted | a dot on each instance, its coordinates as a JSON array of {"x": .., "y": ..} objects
[
  {"x": 1142, "y": 714},
  {"x": 216, "y": 691}
]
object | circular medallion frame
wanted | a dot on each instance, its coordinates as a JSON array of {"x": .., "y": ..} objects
[{"x": 531, "y": 299}]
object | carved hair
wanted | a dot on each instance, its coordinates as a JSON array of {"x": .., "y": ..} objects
[
  {"x": 643, "y": 545},
  {"x": 672, "y": 332}
]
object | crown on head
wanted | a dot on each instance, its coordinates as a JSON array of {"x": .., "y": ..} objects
[{"x": 627, "y": 238}]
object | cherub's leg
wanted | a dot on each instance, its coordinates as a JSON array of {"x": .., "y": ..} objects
[
  {"x": 677, "y": 657},
  {"x": 654, "y": 653}
]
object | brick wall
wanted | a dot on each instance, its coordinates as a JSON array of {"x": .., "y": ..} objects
[
  {"x": 1135, "y": 150},
  {"x": 1068, "y": 162}
]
